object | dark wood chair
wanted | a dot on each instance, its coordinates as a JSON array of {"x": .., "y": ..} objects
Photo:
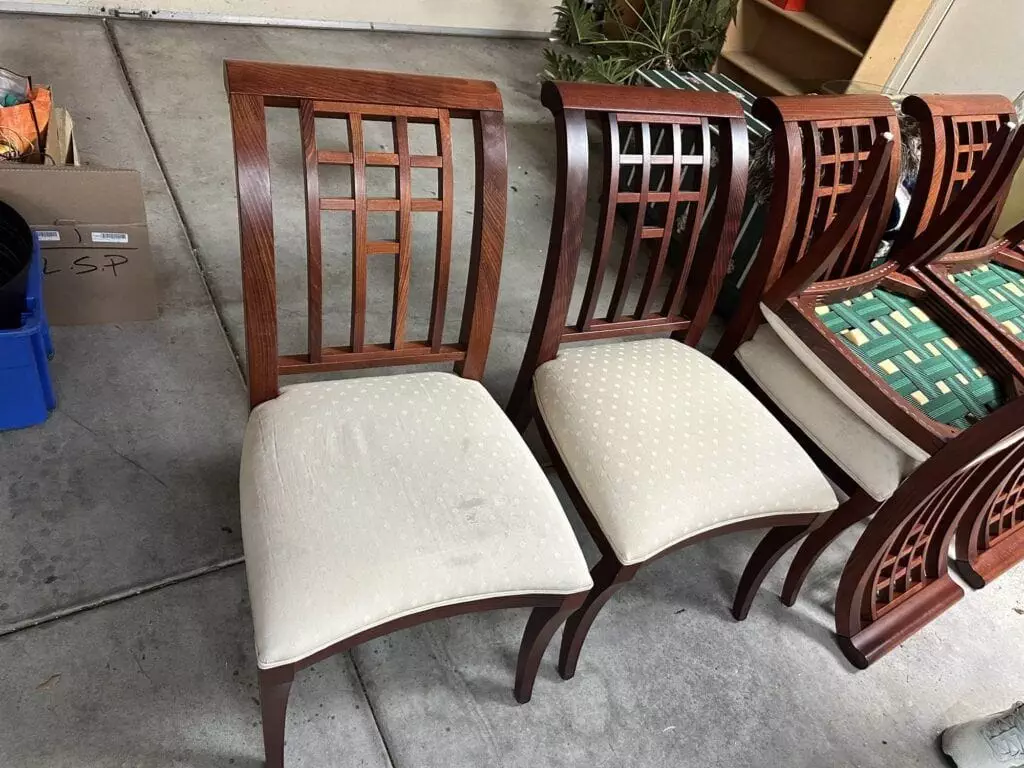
[
  {"x": 647, "y": 435},
  {"x": 822, "y": 145},
  {"x": 988, "y": 276},
  {"x": 378, "y": 503},
  {"x": 894, "y": 349}
]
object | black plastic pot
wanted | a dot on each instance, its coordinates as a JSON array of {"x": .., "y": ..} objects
[{"x": 15, "y": 263}]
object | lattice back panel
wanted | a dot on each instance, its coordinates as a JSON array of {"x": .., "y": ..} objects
[
  {"x": 360, "y": 97},
  {"x": 956, "y": 133},
  {"x": 967, "y": 141},
  {"x": 656, "y": 176},
  {"x": 359, "y": 205},
  {"x": 834, "y": 151}
]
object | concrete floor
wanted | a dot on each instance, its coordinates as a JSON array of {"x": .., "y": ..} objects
[{"x": 132, "y": 485}]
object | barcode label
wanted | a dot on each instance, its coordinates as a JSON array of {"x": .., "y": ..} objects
[
  {"x": 110, "y": 237},
  {"x": 48, "y": 236}
]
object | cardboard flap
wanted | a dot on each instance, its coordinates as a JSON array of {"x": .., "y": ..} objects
[{"x": 45, "y": 195}]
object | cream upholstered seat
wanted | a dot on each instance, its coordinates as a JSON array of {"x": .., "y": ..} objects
[
  {"x": 366, "y": 500},
  {"x": 664, "y": 445},
  {"x": 877, "y": 464}
]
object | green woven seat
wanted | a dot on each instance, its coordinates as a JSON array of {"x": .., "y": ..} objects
[
  {"x": 999, "y": 291},
  {"x": 915, "y": 356}
]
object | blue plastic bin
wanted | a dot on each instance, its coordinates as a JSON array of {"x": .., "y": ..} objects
[{"x": 26, "y": 390}]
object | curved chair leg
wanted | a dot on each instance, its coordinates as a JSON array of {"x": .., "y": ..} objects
[
  {"x": 275, "y": 685},
  {"x": 850, "y": 512},
  {"x": 773, "y": 546},
  {"x": 539, "y": 629},
  {"x": 609, "y": 576}
]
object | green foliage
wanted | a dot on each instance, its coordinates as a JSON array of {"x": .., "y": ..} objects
[
  {"x": 669, "y": 34},
  {"x": 576, "y": 24}
]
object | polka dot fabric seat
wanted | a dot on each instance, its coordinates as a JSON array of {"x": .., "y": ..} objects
[
  {"x": 664, "y": 445},
  {"x": 366, "y": 500}
]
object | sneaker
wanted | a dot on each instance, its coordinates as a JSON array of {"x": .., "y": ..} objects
[{"x": 996, "y": 741}]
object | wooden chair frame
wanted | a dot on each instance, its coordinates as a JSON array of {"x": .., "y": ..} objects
[
  {"x": 701, "y": 274},
  {"x": 956, "y": 134},
  {"x": 814, "y": 179},
  {"x": 399, "y": 99},
  {"x": 915, "y": 520},
  {"x": 839, "y": 237}
]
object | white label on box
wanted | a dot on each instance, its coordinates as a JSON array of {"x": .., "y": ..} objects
[
  {"x": 48, "y": 235},
  {"x": 110, "y": 237}
]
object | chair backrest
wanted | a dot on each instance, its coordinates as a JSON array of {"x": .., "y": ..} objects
[
  {"x": 956, "y": 132},
  {"x": 821, "y": 146},
  {"x": 897, "y": 574},
  {"x": 658, "y": 148},
  {"x": 360, "y": 96}
]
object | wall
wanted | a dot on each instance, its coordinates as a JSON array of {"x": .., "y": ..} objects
[
  {"x": 510, "y": 16},
  {"x": 978, "y": 47}
]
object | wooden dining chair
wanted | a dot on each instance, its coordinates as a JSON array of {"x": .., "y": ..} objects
[
  {"x": 657, "y": 446},
  {"x": 987, "y": 275},
  {"x": 881, "y": 368},
  {"x": 373, "y": 504},
  {"x": 822, "y": 145}
]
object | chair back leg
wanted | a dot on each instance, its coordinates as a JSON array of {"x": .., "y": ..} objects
[
  {"x": 609, "y": 576},
  {"x": 773, "y": 546}
]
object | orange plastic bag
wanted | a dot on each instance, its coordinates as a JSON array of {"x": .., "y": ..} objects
[{"x": 22, "y": 127}]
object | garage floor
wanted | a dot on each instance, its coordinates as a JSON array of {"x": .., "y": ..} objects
[{"x": 125, "y": 636}]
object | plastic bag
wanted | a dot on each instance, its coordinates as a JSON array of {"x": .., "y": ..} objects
[{"x": 23, "y": 126}]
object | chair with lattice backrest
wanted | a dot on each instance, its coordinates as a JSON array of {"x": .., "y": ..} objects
[
  {"x": 820, "y": 145},
  {"x": 377, "y": 503},
  {"x": 898, "y": 368},
  {"x": 988, "y": 276},
  {"x": 644, "y": 434}
]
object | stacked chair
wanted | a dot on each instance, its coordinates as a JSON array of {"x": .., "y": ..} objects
[
  {"x": 906, "y": 394},
  {"x": 373, "y": 504}
]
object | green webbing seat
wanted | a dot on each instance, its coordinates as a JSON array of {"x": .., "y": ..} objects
[
  {"x": 999, "y": 291},
  {"x": 915, "y": 356}
]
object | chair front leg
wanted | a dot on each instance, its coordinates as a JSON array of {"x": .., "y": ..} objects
[
  {"x": 275, "y": 685},
  {"x": 773, "y": 546},
  {"x": 609, "y": 576},
  {"x": 540, "y": 628}
]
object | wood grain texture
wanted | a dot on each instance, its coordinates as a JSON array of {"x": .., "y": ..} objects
[
  {"x": 256, "y": 243},
  {"x": 488, "y": 242},
  {"x": 286, "y": 84},
  {"x": 314, "y": 256},
  {"x": 354, "y": 97}
]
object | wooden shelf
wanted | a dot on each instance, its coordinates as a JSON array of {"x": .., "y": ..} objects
[
  {"x": 757, "y": 69},
  {"x": 816, "y": 25}
]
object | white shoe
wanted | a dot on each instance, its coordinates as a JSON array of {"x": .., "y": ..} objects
[{"x": 996, "y": 741}]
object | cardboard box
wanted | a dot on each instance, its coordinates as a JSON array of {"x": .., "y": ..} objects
[
  {"x": 59, "y": 145},
  {"x": 91, "y": 224}
]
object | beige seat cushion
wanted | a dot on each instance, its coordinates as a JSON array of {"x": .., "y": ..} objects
[
  {"x": 841, "y": 389},
  {"x": 664, "y": 445},
  {"x": 876, "y": 464},
  {"x": 366, "y": 500}
]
